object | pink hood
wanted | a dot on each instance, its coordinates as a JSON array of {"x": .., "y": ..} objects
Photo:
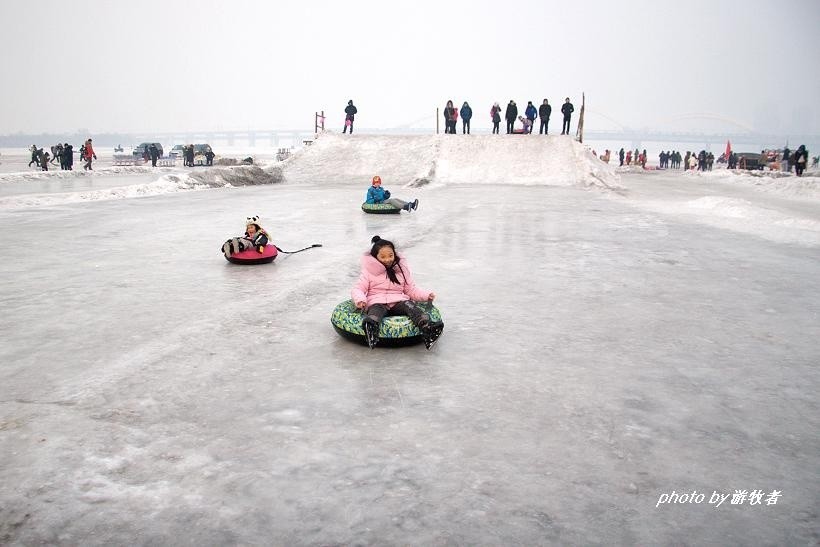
[{"x": 374, "y": 287}]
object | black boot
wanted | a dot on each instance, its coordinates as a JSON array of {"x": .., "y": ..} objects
[
  {"x": 371, "y": 331},
  {"x": 430, "y": 332}
]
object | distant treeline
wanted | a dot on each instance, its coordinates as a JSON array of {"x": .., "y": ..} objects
[{"x": 24, "y": 140}]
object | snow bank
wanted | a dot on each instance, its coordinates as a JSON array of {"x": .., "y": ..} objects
[
  {"x": 58, "y": 174},
  {"x": 170, "y": 183},
  {"x": 741, "y": 215},
  {"x": 450, "y": 159},
  {"x": 788, "y": 185}
]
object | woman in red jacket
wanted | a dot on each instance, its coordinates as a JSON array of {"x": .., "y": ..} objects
[{"x": 88, "y": 155}]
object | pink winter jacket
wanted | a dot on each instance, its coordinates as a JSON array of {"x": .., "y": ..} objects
[{"x": 374, "y": 287}]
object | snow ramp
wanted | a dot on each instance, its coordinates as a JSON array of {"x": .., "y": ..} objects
[{"x": 418, "y": 160}]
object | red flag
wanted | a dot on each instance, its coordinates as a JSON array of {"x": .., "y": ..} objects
[{"x": 728, "y": 149}]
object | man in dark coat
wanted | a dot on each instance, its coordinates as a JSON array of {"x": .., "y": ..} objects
[
  {"x": 511, "y": 115},
  {"x": 566, "y": 109},
  {"x": 621, "y": 156},
  {"x": 801, "y": 160},
  {"x": 466, "y": 116},
  {"x": 350, "y": 113},
  {"x": 544, "y": 112},
  {"x": 68, "y": 156},
  {"x": 154, "y": 153},
  {"x": 784, "y": 163}
]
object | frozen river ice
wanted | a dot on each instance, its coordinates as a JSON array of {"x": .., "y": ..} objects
[{"x": 601, "y": 350}]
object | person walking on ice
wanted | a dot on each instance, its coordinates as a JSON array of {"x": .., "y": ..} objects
[{"x": 88, "y": 154}]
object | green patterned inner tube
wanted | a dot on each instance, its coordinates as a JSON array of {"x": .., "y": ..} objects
[
  {"x": 380, "y": 208},
  {"x": 347, "y": 319}
]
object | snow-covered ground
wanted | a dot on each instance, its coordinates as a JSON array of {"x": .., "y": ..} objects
[{"x": 611, "y": 336}]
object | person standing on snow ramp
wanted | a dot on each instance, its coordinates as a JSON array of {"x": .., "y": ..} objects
[
  {"x": 511, "y": 115},
  {"x": 544, "y": 112},
  {"x": 566, "y": 109},
  {"x": 350, "y": 114}
]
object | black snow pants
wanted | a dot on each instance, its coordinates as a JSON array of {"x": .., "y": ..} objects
[{"x": 377, "y": 312}]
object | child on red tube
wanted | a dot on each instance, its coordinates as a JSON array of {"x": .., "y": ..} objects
[{"x": 255, "y": 238}]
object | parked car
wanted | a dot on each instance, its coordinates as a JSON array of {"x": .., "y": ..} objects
[
  {"x": 176, "y": 151},
  {"x": 749, "y": 161},
  {"x": 199, "y": 153},
  {"x": 142, "y": 148}
]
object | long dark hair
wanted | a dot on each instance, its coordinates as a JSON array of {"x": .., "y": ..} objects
[{"x": 378, "y": 243}]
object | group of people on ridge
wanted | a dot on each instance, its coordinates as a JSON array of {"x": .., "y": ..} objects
[
  {"x": 543, "y": 113},
  {"x": 451, "y": 114}
]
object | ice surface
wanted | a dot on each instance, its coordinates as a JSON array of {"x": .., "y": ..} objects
[{"x": 605, "y": 343}]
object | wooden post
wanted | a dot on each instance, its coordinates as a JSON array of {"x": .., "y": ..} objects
[
  {"x": 318, "y": 122},
  {"x": 437, "y": 113},
  {"x": 580, "y": 132}
]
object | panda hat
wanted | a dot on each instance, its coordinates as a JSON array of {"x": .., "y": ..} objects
[{"x": 256, "y": 221}]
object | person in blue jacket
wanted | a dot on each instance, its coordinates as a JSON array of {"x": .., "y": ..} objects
[
  {"x": 531, "y": 113},
  {"x": 466, "y": 114},
  {"x": 377, "y": 194}
]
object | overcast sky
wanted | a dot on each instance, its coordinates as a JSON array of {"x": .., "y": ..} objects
[{"x": 173, "y": 66}]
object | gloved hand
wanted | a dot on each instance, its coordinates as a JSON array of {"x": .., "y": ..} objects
[
  {"x": 260, "y": 240},
  {"x": 387, "y": 194}
]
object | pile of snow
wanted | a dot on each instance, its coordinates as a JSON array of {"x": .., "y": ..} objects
[
  {"x": 164, "y": 185},
  {"x": 450, "y": 159},
  {"x": 57, "y": 174},
  {"x": 241, "y": 175},
  {"x": 227, "y": 177}
]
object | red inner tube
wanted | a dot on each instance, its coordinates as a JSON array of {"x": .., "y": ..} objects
[{"x": 253, "y": 256}]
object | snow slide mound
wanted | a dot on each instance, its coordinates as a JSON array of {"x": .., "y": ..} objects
[{"x": 450, "y": 159}]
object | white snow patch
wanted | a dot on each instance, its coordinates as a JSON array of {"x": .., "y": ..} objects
[
  {"x": 787, "y": 185},
  {"x": 741, "y": 215}
]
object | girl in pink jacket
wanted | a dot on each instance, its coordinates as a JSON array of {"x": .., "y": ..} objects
[{"x": 386, "y": 287}]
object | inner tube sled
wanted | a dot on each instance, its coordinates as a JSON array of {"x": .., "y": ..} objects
[
  {"x": 253, "y": 256},
  {"x": 380, "y": 209},
  {"x": 394, "y": 331}
]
